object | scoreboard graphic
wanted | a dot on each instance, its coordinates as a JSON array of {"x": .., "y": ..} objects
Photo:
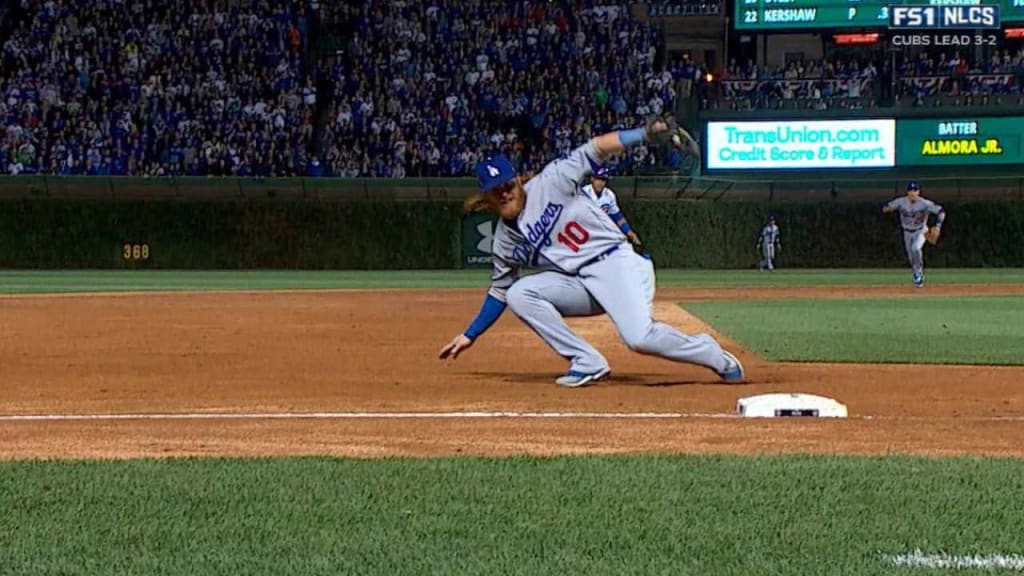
[{"x": 757, "y": 15}]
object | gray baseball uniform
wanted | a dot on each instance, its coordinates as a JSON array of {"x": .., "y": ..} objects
[
  {"x": 769, "y": 237},
  {"x": 589, "y": 268},
  {"x": 609, "y": 205},
  {"x": 914, "y": 220}
]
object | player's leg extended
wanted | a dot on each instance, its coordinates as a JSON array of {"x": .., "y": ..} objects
[
  {"x": 914, "y": 244},
  {"x": 769, "y": 255},
  {"x": 650, "y": 284},
  {"x": 616, "y": 284},
  {"x": 542, "y": 301}
]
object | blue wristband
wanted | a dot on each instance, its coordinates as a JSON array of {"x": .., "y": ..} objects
[
  {"x": 488, "y": 315},
  {"x": 616, "y": 217},
  {"x": 630, "y": 138}
]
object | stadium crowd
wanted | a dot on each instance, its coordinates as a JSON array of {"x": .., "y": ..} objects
[
  {"x": 450, "y": 81},
  {"x": 211, "y": 87},
  {"x": 152, "y": 87}
]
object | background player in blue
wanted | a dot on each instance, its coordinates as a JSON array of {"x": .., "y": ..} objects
[
  {"x": 587, "y": 265},
  {"x": 914, "y": 211},
  {"x": 768, "y": 242},
  {"x": 599, "y": 191}
]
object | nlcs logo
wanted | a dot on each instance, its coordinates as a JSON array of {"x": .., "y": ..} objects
[{"x": 944, "y": 17}]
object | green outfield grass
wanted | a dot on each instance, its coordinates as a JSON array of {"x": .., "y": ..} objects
[
  {"x": 51, "y": 281},
  {"x": 953, "y": 330},
  {"x": 655, "y": 515}
]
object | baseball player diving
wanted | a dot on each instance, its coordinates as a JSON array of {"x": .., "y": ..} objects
[
  {"x": 914, "y": 211},
  {"x": 599, "y": 191},
  {"x": 586, "y": 264}
]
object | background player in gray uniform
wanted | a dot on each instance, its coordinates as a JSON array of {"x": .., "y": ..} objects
[
  {"x": 546, "y": 221},
  {"x": 767, "y": 243},
  {"x": 599, "y": 191},
  {"x": 914, "y": 211}
]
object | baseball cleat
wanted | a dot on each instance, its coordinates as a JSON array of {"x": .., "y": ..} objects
[
  {"x": 576, "y": 379},
  {"x": 733, "y": 370},
  {"x": 919, "y": 280}
]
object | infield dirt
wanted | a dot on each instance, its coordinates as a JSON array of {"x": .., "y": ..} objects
[{"x": 376, "y": 351}]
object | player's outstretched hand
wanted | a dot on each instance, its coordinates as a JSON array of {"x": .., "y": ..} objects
[
  {"x": 455, "y": 347},
  {"x": 633, "y": 238}
]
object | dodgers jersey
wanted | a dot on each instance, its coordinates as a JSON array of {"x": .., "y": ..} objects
[
  {"x": 914, "y": 215},
  {"x": 770, "y": 234},
  {"x": 558, "y": 228},
  {"x": 606, "y": 201}
]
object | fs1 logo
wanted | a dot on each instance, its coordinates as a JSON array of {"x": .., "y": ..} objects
[{"x": 904, "y": 17}]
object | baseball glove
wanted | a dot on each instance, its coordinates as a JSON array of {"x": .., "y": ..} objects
[
  {"x": 685, "y": 142},
  {"x": 662, "y": 131},
  {"x": 932, "y": 235}
]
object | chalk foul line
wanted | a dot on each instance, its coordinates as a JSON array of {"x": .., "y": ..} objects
[
  {"x": 919, "y": 559},
  {"x": 460, "y": 415},
  {"x": 358, "y": 416}
]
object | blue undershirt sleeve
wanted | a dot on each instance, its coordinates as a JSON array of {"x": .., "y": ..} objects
[
  {"x": 488, "y": 315},
  {"x": 630, "y": 138}
]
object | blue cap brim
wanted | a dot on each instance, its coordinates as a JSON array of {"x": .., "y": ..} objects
[{"x": 499, "y": 183}]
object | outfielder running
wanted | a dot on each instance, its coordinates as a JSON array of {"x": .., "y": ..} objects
[
  {"x": 599, "y": 191},
  {"x": 914, "y": 211},
  {"x": 547, "y": 223}
]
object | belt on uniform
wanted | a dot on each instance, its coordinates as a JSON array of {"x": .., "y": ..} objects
[
  {"x": 915, "y": 230},
  {"x": 600, "y": 256}
]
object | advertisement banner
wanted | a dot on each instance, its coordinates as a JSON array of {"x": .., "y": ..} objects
[
  {"x": 953, "y": 141},
  {"x": 801, "y": 144},
  {"x": 477, "y": 236}
]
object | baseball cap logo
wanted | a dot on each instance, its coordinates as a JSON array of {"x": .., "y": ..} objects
[{"x": 493, "y": 171}]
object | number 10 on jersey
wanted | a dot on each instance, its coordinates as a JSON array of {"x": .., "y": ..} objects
[{"x": 573, "y": 235}]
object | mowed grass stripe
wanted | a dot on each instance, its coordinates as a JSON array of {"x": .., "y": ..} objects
[
  {"x": 635, "y": 515},
  {"x": 934, "y": 330},
  {"x": 69, "y": 281}
]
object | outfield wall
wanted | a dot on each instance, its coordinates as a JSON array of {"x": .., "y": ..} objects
[
  {"x": 943, "y": 182},
  {"x": 297, "y": 234}
]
